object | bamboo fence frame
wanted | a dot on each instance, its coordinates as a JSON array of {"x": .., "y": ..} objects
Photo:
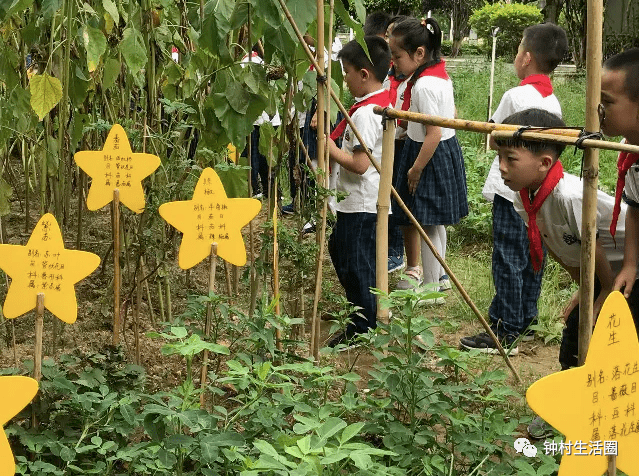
[{"x": 320, "y": 71}]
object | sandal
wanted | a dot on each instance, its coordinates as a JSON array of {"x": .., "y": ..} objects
[{"x": 412, "y": 279}]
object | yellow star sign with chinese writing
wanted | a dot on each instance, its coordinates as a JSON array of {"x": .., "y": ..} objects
[
  {"x": 116, "y": 167},
  {"x": 15, "y": 393},
  {"x": 596, "y": 406},
  {"x": 45, "y": 266},
  {"x": 210, "y": 217}
]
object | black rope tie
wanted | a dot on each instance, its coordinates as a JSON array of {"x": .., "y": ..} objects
[
  {"x": 385, "y": 116},
  {"x": 579, "y": 145},
  {"x": 322, "y": 79},
  {"x": 517, "y": 134}
]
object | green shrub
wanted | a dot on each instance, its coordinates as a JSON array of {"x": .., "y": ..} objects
[
  {"x": 465, "y": 50},
  {"x": 511, "y": 19}
]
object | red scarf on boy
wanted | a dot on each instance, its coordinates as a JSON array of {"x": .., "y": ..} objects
[
  {"x": 381, "y": 99},
  {"x": 540, "y": 82},
  {"x": 625, "y": 161},
  {"x": 555, "y": 174},
  {"x": 394, "y": 84}
]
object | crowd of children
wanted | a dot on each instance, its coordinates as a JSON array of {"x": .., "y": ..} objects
[{"x": 536, "y": 206}]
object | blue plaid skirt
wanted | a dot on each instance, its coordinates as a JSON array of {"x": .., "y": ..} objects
[{"x": 441, "y": 196}]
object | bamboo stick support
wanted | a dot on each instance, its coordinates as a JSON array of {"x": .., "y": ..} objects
[
  {"x": 383, "y": 207},
  {"x": 136, "y": 315},
  {"x": 462, "y": 124},
  {"x": 587, "y": 143},
  {"x": 590, "y": 175},
  {"x": 37, "y": 354},
  {"x": 116, "y": 267},
  {"x": 322, "y": 166},
  {"x": 229, "y": 283},
  {"x": 398, "y": 199},
  {"x": 612, "y": 465},
  {"x": 209, "y": 320},
  {"x": 276, "y": 283}
]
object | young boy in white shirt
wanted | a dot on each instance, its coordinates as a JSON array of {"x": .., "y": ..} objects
[
  {"x": 550, "y": 202},
  {"x": 352, "y": 241},
  {"x": 517, "y": 285}
]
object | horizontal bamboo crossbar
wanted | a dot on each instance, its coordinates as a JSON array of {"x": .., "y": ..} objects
[
  {"x": 546, "y": 136},
  {"x": 462, "y": 124}
]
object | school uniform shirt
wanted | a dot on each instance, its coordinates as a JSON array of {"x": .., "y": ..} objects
[
  {"x": 515, "y": 100},
  {"x": 559, "y": 222},
  {"x": 431, "y": 95},
  {"x": 362, "y": 189},
  {"x": 264, "y": 117}
]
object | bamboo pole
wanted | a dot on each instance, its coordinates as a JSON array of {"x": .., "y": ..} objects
[
  {"x": 322, "y": 166},
  {"x": 492, "y": 82},
  {"x": 116, "y": 267},
  {"x": 398, "y": 199},
  {"x": 136, "y": 314},
  {"x": 276, "y": 281},
  {"x": 612, "y": 465},
  {"x": 587, "y": 143},
  {"x": 209, "y": 319},
  {"x": 37, "y": 354},
  {"x": 383, "y": 207},
  {"x": 590, "y": 177},
  {"x": 464, "y": 125}
]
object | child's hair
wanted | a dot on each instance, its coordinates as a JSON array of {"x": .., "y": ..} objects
[
  {"x": 411, "y": 34},
  {"x": 628, "y": 61},
  {"x": 376, "y": 24},
  {"x": 534, "y": 118},
  {"x": 547, "y": 43},
  {"x": 395, "y": 20},
  {"x": 378, "y": 50}
]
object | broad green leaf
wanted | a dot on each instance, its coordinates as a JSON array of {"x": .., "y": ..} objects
[
  {"x": 216, "y": 26},
  {"x": 132, "y": 48},
  {"x": 331, "y": 426},
  {"x": 179, "y": 332},
  {"x": 95, "y": 45},
  {"x": 112, "y": 69},
  {"x": 18, "y": 6},
  {"x": 266, "y": 448},
  {"x": 46, "y": 92},
  {"x": 208, "y": 451},
  {"x": 49, "y": 7},
  {"x": 112, "y": 9},
  {"x": 128, "y": 414},
  {"x": 269, "y": 12},
  {"x": 78, "y": 87},
  {"x": 5, "y": 193},
  {"x": 302, "y": 14},
  {"x": 234, "y": 179},
  {"x": 350, "y": 431},
  {"x": 360, "y": 9},
  {"x": 167, "y": 458},
  {"x": 341, "y": 12}
]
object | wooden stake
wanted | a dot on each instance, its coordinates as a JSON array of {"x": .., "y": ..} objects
[
  {"x": 116, "y": 267},
  {"x": 383, "y": 207},
  {"x": 276, "y": 282},
  {"x": 209, "y": 319},
  {"x": 136, "y": 314},
  {"x": 37, "y": 355},
  {"x": 612, "y": 465},
  {"x": 590, "y": 177},
  {"x": 322, "y": 166},
  {"x": 492, "y": 82}
]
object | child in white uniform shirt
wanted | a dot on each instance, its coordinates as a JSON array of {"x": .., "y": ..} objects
[
  {"x": 550, "y": 202},
  {"x": 517, "y": 286}
]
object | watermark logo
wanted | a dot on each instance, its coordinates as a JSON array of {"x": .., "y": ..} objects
[
  {"x": 580, "y": 448},
  {"x": 523, "y": 445}
]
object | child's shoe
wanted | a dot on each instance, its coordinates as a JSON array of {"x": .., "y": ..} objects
[
  {"x": 444, "y": 283},
  {"x": 486, "y": 345},
  {"x": 413, "y": 279},
  {"x": 288, "y": 209}
]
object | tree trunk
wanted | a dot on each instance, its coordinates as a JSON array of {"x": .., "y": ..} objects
[{"x": 552, "y": 10}]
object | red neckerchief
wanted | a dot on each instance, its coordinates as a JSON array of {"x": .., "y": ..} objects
[
  {"x": 394, "y": 84},
  {"x": 555, "y": 174},
  {"x": 540, "y": 82},
  {"x": 437, "y": 70},
  {"x": 625, "y": 161},
  {"x": 381, "y": 98}
]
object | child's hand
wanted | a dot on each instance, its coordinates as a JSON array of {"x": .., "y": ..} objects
[
  {"x": 599, "y": 302},
  {"x": 573, "y": 303},
  {"x": 625, "y": 280},
  {"x": 414, "y": 174}
]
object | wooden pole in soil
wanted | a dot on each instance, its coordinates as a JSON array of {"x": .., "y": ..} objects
[
  {"x": 136, "y": 313},
  {"x": 321, "y": 165},
  {"x": 590, "y": 176},
  {"x": 37, "y": 355},
  {"x": 612, "y": 465},
  {"x": 383, "y": 207},
  {"x": 209, "y": 319},
  {"x": 116, "y": 267},
  {"x": 276, "y": 280},
  {"x": 398, "y": 199}
]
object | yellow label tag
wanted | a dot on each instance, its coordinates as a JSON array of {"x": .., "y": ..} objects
[
  {"x": 210, "y": 217},
  {"x": 45, "y": 266},
  {"x": 232, "y": 153},
  {"x": 116, "y": 167},
  {"x": 596, "y": 406},
  {"x": 17, "y": 392}
]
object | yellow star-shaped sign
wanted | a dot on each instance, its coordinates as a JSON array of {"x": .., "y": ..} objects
[
  {"x": 15, "y": 393},
  {"x": 116, "y": 167},
  {"x": 596, "y": 406},
  {"x": 210, "y": 217},
  {"x": 45, "y": 266}
]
